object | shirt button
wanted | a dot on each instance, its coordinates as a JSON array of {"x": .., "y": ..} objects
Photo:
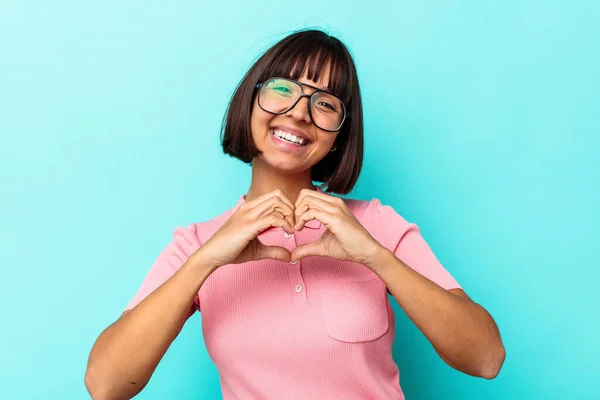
[
  {"x": 298, "y": 288},
  {"x": 287, "y": 235},
  {"x": 294, "y": 262}
]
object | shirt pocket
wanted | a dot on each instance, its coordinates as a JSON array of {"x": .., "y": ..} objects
[{"x": 353, "y": 309}]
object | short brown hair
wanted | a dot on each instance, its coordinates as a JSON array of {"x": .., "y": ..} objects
[{"x": 310, "y": 50}]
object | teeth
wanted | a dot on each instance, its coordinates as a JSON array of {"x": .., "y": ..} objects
[{"x": 288, "y": 136}]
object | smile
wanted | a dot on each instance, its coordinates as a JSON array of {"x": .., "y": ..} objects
[{"x": 289, "y": 138}]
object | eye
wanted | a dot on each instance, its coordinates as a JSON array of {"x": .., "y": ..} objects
[
  {"x": 282, "y": 89},
  {"x": 326, "y": 102},
  {"x": 327, "y": 105}
]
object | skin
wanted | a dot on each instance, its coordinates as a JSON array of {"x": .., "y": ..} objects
[
  {"x": 288, "y": 171},
  {"x": 461, "y": 331},
  {"x": 281, "y": 194}
]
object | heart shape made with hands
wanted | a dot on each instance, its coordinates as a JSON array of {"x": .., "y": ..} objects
[
  {"x": 344, "y": 237},
  {"x": 298, "y": 225}
]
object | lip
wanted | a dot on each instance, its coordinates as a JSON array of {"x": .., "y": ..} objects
[{"x": 294, "y": 131}]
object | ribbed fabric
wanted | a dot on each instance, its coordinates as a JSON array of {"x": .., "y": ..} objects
[{"x": 320, "y": 329}]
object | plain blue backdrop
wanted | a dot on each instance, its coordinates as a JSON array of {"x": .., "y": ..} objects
[{"x": 481, "y": 124}]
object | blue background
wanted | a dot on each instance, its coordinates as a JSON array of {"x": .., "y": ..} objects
[{"x": 481, "y": 126}]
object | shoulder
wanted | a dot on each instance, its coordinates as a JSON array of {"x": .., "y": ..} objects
[
  {"x": 203, "y": 230},
  {"x": 194, "y": 234},
  {"x": 382, "y": 221},
  {"x": 375, "y": 210}
]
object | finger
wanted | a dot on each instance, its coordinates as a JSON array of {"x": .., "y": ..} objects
[
  {"x": 278, "y": 213},
  {"x": 272, "y": 252},
  {"x": 310, "y": 202},
  {"x": 324, "y": 217},
  {"x": 290, "y": 218},
  {"x": 265, "y": 222},
  {"x": 271, "y": 205},
  {"x": 310, "y": 249},
  {"x": 275, "y": 193},
  {"x": 315, "y": 193}
]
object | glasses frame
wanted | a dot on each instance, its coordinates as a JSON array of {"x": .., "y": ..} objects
[{"x": 317, "y": 90}]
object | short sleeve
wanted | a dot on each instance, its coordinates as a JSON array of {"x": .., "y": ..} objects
[
  {"x": 404, "y": 239},
  {"x": 184, "y": 243}
]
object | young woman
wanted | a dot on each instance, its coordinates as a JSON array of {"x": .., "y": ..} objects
[{"x": 293, "y": 281}]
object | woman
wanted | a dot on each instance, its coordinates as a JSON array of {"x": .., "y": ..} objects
[{"x": 292, "y": 281}]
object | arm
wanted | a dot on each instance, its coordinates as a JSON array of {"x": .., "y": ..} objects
[
  {"x": 126, "y": 354},
  {"x": 461, "y": 331}
]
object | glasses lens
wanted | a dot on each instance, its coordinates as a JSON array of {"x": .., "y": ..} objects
[
  {"x": 277, "y": 95},
  {"x": 327, "y": 111}
]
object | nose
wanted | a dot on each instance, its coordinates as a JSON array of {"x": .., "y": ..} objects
[{"x": 300, "y": 110}]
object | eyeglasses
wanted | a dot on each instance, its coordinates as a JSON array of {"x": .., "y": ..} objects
[{"x": 280, "y": 95}]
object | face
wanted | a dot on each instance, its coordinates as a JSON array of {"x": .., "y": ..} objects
[{"x": 281, "y": 154}]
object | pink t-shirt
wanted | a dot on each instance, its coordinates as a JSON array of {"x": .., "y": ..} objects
[{"x": 319, "y": 329}]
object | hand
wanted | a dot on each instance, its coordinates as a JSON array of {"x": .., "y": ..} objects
[
  {"x": 236, "y": 241},
  {"x": 344, "y": 239}
]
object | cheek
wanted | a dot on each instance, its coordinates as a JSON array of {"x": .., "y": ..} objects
[
  {"x": 259, "y": 120},
  {"x": 327, "y": 140}
]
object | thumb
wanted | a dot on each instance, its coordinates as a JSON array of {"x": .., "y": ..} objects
[
  {"x": 309, "y": 249},
  {"x": 273, "y": 252}
]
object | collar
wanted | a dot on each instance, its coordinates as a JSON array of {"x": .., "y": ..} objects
[{"x": 312, "y": 224}]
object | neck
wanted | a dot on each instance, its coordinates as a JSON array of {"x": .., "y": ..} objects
[{"x": 265, "y": 179}]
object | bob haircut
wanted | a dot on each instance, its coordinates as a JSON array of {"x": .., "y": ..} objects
[{"x": 311, "y": 51}]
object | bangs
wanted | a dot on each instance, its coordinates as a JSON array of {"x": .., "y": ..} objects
[{"x": 310, "y": 56}]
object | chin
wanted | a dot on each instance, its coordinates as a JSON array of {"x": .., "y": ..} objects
[
  {"x": 284, "y": 164},
  {"x": 288, "y": 166}
]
